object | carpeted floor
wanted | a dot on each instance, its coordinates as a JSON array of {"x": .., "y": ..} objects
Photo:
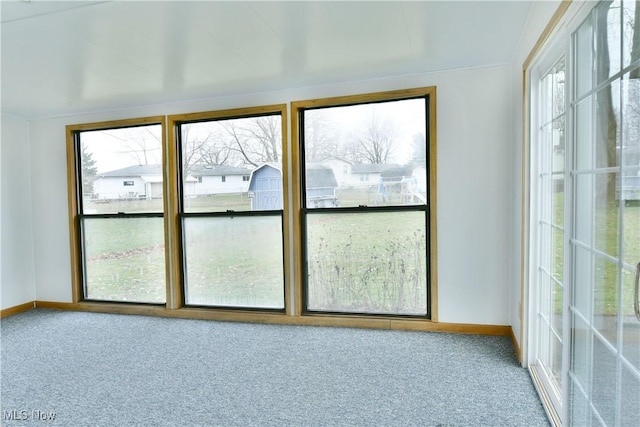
[{"x": 116, "y": 370}]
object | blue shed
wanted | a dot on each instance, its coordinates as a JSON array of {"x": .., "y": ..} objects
[
  {"x": 265, "y": 188},
  {"x": 321, "y": 186}
]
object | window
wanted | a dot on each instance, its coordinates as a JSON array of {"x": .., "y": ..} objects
[
  {"x": 549, "y": 272},
  {"x": 585, "y": 221},
  {"x": 236, "y": 217},
  {"x": 232, "y": 235},
  {"x": 365, "y": 241},
  {"x": 118, "y": 235}
]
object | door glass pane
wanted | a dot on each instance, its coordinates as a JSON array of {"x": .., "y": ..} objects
[
  {"x": 630, "y": 29},
  {"x": 630, "y": 397},
  {"x": 544, "y": 347},
  {"x": 367, "y": 262},
  {"x": 546, "y": 201},
  {"x": 580, "y": 351},
  {"x": 578, "y": 407},
  {"x": 607, "y": 39},
  {"x": 607, "y": 129},
  {"x": 556, "y": 360},
  {"x": 124, "y": 259},
  {"x": 232, "y": 164},
  {"x": 557, "y": 255},
  {"x": 366, "y": 154},
  {"x": 234, "y": 261},
  {"x": 556, "y": 309},
  {"x": 584, "y": 134},
  {"x": 628, "y": 184},
  {"x": 583, "y": 208},
  {"x": 121, "y": 170},
  {"x": 557, "y": 200},
  {"x": 630, "y": 324},
  {"x": 605, "y": 298},
  {"x": 607, "y": 208},
  {"x": 583, "y": 47},
  {"x": 603, "y": 390},
  {"x": 582, "y": 279}
]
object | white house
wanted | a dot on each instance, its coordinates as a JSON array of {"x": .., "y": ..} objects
[
  {"x": 368, "y": 174},
  {"x": 132, "y": 182},
  {"x": 145, "y": 182},
  {"x": 341, "y": 169},
  {"x": 216, "y": 179}
]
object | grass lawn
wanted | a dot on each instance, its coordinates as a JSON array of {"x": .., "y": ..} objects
[
  {"x": 373, "y": 262},
  {"x": 356, "y": 262},
  {"x": 608, "y": 239},
  {"x": 235, "y": 261}
]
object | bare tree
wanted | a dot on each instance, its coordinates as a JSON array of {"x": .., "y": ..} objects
[
  {"x": 320, "y": 141},
  {"x": 635, "y": 44},
  {"x": 377, "y": 143},
  {"x": 254, "y": 140},
  {"x": 204, "y": 148},
  {"x": 419, "y": 148},
  {"x": 606, "y": 120},
  {"x": 142, "y": 144}
]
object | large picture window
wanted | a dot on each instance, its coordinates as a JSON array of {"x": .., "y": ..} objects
[
  {"x": 207, "y": 217},
  {"x": 118, "y": 211},
  {"x": 365, "y": 191},
  {"x": 231, "y": 216}
]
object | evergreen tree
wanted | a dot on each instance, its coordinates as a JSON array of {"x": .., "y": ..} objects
[{"x": 89, "y": 170}]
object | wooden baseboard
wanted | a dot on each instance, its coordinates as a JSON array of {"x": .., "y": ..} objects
[
  {"x": 17, "y": 309},
  {"x": 281, "y": 318},
  {"x": 516, "y": 345}
]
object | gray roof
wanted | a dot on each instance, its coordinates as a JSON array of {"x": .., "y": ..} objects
[
  {"x": 137, "y": 170},
  {"x": 320, "y": 177},
  {"x": 217, "y": 170},
  {"x": 372, "y": 168},
  {"x": 200, "y": 170}
]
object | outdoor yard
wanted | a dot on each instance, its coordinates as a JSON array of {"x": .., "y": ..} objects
[{"x": 374, "y": 262}]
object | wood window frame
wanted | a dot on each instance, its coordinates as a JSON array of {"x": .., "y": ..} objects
[
  {"x": 177, "y": 290},
  {"x": 293, "y": 313},
  {"x": 73, "y": 165},
  {"x": 396, "y": 95}
]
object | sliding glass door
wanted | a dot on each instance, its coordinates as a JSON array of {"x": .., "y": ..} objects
[
  {"x": 549, "y": 228},
  {"x": 585, "y": 252},
  {"x": 604, "y": 368}
]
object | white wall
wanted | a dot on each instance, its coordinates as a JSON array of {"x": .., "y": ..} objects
[
  {"x": 18, "y": 285},
  {"x": 539, "y": 16},
  {"x": 113, "y": 187},
  {"x": 212, "y": 184},
  {"x": 475, "y": 194}
]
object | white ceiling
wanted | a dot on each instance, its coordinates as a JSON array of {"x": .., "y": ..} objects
[{"x": 62, "y": 58}]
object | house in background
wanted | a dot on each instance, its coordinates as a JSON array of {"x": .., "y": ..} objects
[
  {"x": 341, "y": 169},
  {"x": 145, "y": 182},
  {"x": 132, "y": 182},
  {"x": 216, "y": 179},
  {"x": 368, "y": 174}
]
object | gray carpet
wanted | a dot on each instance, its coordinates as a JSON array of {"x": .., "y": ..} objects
[{"x": 116, "y": 370}]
